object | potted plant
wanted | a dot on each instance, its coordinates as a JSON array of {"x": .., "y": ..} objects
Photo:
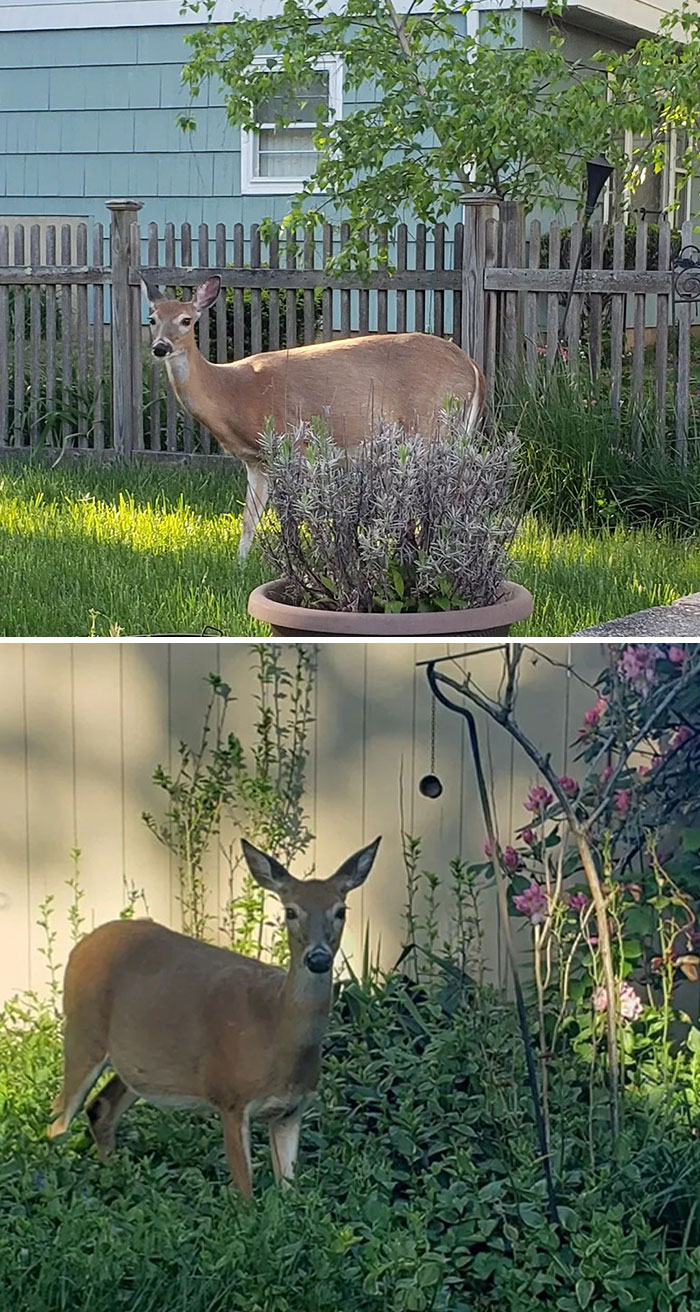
[{"x": 401, "y": 537}]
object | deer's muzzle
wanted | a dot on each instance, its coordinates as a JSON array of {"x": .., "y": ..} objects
[
  {"x": 319, "y": 960},
  {"x": 161, "y": 348}
]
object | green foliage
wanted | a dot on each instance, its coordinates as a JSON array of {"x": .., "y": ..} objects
[
  {"x": 263, "y": 798},
  {"x": 448, "y": 110},
  {"x": 419, "y": 1186}
]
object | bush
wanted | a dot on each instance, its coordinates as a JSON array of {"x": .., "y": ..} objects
[{"x": 397, "y": 525}]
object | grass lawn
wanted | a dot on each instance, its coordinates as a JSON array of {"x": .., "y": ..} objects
[{"x": 143, "y": 550}]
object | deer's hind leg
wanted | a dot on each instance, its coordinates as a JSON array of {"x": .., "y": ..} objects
[
  {"x": 84, "y": 1060},
  {"x": 105, "y": 1110}
]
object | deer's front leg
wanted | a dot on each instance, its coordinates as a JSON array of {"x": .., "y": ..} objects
[
  {"x": 255, "y": 502},
  {"x": 237, "y": 1144},
  {"x": 284, "y": 1147}
]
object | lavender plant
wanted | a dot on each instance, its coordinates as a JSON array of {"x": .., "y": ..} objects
[{"x": 398, "y": 525}]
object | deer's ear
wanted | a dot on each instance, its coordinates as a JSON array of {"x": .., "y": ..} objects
[
  {"x": 355, "y": 870},
  {"x": 265, "y": 870},
  {"x": 151, "y": 292},
  {"x": 207, "y": 293}
]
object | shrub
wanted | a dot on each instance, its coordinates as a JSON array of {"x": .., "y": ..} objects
[{"x": 397, "y": 524}]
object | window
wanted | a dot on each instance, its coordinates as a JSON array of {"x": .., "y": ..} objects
[{"x": 278, "y": 160}]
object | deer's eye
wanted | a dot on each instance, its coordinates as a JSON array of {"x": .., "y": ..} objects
[
  {"x": 291, "y": 913},
  {"x": 152, "y": 321},
  {"x": 340, "y": 913},
  {"x": 185, "y": 322}
]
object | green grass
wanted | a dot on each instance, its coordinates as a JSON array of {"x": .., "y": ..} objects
[{"x": 153, "y": 550}]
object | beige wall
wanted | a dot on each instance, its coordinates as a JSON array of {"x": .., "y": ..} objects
[{"x": 83, "y": 725}]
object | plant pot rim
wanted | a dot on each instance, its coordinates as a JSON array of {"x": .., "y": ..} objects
[{"x": 263, "y": 604}]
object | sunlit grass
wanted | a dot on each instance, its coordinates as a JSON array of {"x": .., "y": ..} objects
[{"x": 145, "y": 550}]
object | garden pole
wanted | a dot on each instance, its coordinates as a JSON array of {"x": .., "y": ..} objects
[{"x": 433, "y": 679}]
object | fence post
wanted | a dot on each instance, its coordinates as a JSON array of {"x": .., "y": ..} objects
[
  {"x": 126, "y": 346},
  {"x": 477, "y": 210}
]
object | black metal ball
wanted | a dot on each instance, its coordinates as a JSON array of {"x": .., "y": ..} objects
[{"x": 430, "y": 786}]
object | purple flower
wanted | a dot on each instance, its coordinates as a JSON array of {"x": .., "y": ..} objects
[
  {"x": 511, "y": 860},
  {"x": 538, "y": 799},
  {"x": 623, "y": 800},
  {"x": 532, "y": 903},
  {"x": 578, "y": 902},
  {"x": 528, "y": 836},
  {"x": 568, "y": 785}
]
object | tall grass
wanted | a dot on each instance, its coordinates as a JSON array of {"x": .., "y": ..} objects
[{"x": 582, "y": 467}]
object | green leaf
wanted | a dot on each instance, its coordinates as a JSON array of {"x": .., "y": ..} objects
[
  {"x": 693, "y": 1039},
  {"x": 690, "y": 840},
  {"x": 584, "y": 1292}
]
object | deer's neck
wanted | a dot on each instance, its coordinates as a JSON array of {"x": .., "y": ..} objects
[
  {"x": 195, "y": 383},
  {"x": 306, "y": 1006}
]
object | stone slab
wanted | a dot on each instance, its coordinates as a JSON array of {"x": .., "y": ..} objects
[{"x": 679, "y": 620}]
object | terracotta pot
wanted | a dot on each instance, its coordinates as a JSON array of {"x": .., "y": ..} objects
[{"x": 300, "y": 621}]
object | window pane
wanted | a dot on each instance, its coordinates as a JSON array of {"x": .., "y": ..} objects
[
  {"x": 285, "y": 153},
  {"x": 300, "y": 108}
]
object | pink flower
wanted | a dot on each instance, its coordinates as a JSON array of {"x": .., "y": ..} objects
[
  {"x": 532, "y": 903},
  {"x": 578, "y": 902},
  {"x": 643, "y": 771},
  {"x": 637, "y": 665},
  {"x": 568, "y": 785},
  {"x": 606, "y": 775},
  {"x": 528, "y": 836},
  {"x": 511, "y": 860},
  {"x": 538, "y": 799},
  {"x": 623, "y": 800},
  {"x": 677, "y": 655},
  {"x": 594, "y": 714},
  {"x": 631, "y": 1005}
]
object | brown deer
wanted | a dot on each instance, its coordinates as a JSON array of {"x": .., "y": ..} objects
[
  {"x": 404, "y": 378},
  {"x": 185, "y": 1024}
]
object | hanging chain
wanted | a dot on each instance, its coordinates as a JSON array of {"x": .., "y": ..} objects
[{"x": 432, "y": 735}]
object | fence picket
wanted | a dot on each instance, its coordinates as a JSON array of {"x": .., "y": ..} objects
[
  {"x": 595, "y": 322},
  {"x": 203, "y": 435},
  {"x": 19, "y": 317},
  {"x": 290, "y": 309},
  {"x": 401, "y": 264},
  {"x": 438, "y": 294},
  {"x": 683, "y": 372},
  {"x": 34, "y": 339},
  {"x": 170, "y": 403},
  {"x": 81, "y": 339},
  {"x": 327, "y": 293},
  {"x": 574, "y": 324},
  {"x": 617, "y": 317},
  {"x": 363, "y": 309},
  {"x": 457, "y": 259},
  {"x": 662, "y": 337},
  {"x": 187, "y": 293},
  {"x": 256, "y": 294},
  {"x": 531, "y": 303},
  {"x": 640, "y": 302},
  {"x": 309, "y": 301},
  {"x": 51, "y": 327},
  {"x": 66, "y": 340},
  {"x": 4, "y": 338},
  {"x": 273, "y": 300},
  {"x": 154, "y": 372},
  {"x": 553, "y": 298}
]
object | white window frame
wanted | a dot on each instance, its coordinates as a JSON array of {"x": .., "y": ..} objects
[{"x": 251, "y": 184}]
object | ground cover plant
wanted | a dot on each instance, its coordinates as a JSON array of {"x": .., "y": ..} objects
[
  {"x": 141, "y": 549},
  {"x": 420, "y": 1183}
]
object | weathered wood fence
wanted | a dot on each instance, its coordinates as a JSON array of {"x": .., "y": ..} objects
[{"x": 79, "y": 373}]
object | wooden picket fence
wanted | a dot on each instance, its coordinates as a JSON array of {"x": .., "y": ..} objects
[{"x": 81, "y": 375}]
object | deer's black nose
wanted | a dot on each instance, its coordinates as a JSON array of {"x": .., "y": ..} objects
[
  {"x": 162, "y": 348},
  {"x": 319, "y": 960}
]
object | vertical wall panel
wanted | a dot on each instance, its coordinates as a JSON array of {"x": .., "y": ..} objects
[{"x": 15, "y": 914}]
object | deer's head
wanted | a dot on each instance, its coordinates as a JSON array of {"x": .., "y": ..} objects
[
  {"x": 314, "y": 908},
  {"x": 172, "y": 322}
]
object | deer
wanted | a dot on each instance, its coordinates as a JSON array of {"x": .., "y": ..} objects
[
  {"x": 183, "y": 1023},
  {"x": 350, "y": 384}
]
